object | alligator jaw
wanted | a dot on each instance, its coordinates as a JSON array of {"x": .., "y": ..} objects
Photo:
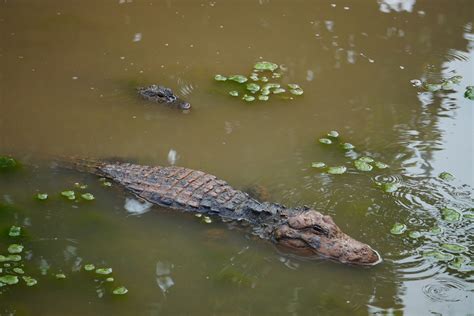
[{"x": 309, "y": 233}]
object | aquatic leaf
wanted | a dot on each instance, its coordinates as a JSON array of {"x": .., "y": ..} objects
[
  {"x": 390, "y": 187},
  {"x": 248, "y": 98},
  {"x": 15, "y": 231},
  {"x": 362, "y": 166},
  {"x": 265, "y": 65},
  {"x": 453, "y": 248},
  {"x": 69, "y": 194},
  {"x": 238, "y": 78},
  {"x": 121, "y": 290},
  {"x": 398, "y": 228},
  {"x": 10, "y": 258},
  {"x": 447, "y": 85},
  {"x": 459, "y": 262},
  {"x": 293, "y": 86},
  {"x": 318, "y": 165},
  {"x": 80, "y": 186},
  {"x": 380, "y": 165},
  {"x": 207, "y": 220},
  {"x": 297, "y": 91},
  {"x": 436, "y": 230},
  {"x": 220, "y": 78},
  {"x": 103, "y": 271},
  {"x": 348, "y": 146},
  {"x": 60, "y": 276},
  {"x": 9, "y": 279},
  {"x": 15, "y": 248},
  {"x": 432, "y": 87},
  {"x": 337, "y": 170},
  {"x": 88, "y": 196},
  {"x": 7, "y": 163},
  {"x": 263, "y": 97},
  {"x": 278, "y": 91},
  {"x": 110, "y": 279},
  {"x": 264, "y": 79},
  {"x": 18, "y": 270},
  {"x": 455, "y": 79},
  {"x": 333, "y": 134},
  {"x": 253, "y": 87},
  {"x": 446, "y": 176},
  {"x": 89, "y": 267},
  {"x": 107, "y": 184},
  {"x": 450, "y": 215},
  {"x": 276, "y": 75},
  {"x": 29, "y": 280},
  {"x": 254, "y": 76},
  {"x": 415, "y": 234},
  {"x": 366, "y": 159},
  {"x": 42, "y": 196},
  {"x": 271, "y": 85},
  {"x": 469, "y": 93},
  {"x": 234, "y": 93},
  {"x": 198, "y": 215},
  {"x": 325, "y": 141},
  {"x": 438, "y": 255},
  {"x": 265, "y": 92}
]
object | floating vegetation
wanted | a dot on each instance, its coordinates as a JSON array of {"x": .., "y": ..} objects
[
  {"x": 459, "y": 263},
  {"x": 325, "y": 141},
  {"x": 80, "y": 186},
  {"x": 41, "y": 196},
  {"x": 8, "y": 163},
  {"x": 333, "y": 134},
  {"x": 29, "y": 280},
  {"x": 15, "y": 248},
  {"x": 366, "y": 159},
  {"x": 261, "y": 92},
  {"x": 380, "y": 165},
  {"x": 436, "y": 230},
  {"x": 207, "y": 220},
  {"x": 14, "y": 231},
  {"x": 469, "y": 93},
  {"x": 348, "y": 146},
  {"x": 450, "y": 215},
  {"x": 89, "y": 267},
  {"x": 103, "y": 271},
  {"x": 18, "y": 270},
  {"x": 14, "y": 258},
  {"x": 415, "y": 234},
  {"x": 455, "y": 248},
  {"x": 8, "y": 279},
  {"x": 88, "y": 196},
  {"x": 389, "y": 187},
  {"x": 446, "y": 84},
  {"x": 60, "y": 276},
  {"x": 438, "y": 255},
  {"x": 70, "y": 195},
  {"x": 398, "y": 229},
  {"x": 446, "y": 176},
  {"x": 121, "y": 290},
  {"x": 318, "y": 164},
  {"x": 362, "y": 165},
  {"x": 337, "y": 170},
  {"x": 110, "y": 279}
]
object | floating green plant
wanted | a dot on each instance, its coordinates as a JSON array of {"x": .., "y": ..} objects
[
  {"x": 380, "y": 165},
  {"x": 110, "y": 279},
  {"x": 469, "y": 93},
  {"x": 390, "y": 187},
  {"x": 29, "y": 280},
  {"x": 89, "y": 267},
  {"x": 60, "y": 276},
  {"x": 238, "y": 78},
  {"x": 415, "y": 234},
  {"x": 220, "y": 78},
  {"x": 263, "y": 97},
  {"x": 297, "y": 91},
  {"x": 103, "y": 271},
  {"x": 446, "y": 176},
  {"x": 318, "y": 164},
  {"x": 398, "y": 229},
  {"x": 337, "y": 170},
  {"x": 234, "y": 93},
  {"x": 9, "y": 279},
  {"x": 333, "y": 134},
  {"x": 207, "y": 220},
  {"x": 348, "y": 146},
  {"x": 453, "y": 248},
  {"x": 8, "y": 163},
  {"x": 366, "y": 159},
  {"x": 325, "y": 141},
  {"x": 42, "y": 196},
  {"x": 14, "y": 231},
  {"x": 446, "y": 84},
  {"x": 436, "y": 230},
  {"x": 8, "y": 258},
  {"x": 252, "y": 87},
  {"x": 15, "y": 248},
  {"x": 450, "y": 215},
  {"x": 248, "y": 98},
  {"x": 362, "y": 165},
  {"x": 80, "y": 186},
  {"x": 69, "y": 194},
  {"x": 121, "y": 290},
  {"x": 438, "y": 255},
  {"x": 107, "y": 184},
  {"x": 265, "y": 65},
  {"x": 459, "y": 263},
  {"x": 279, "y": 90},
  {"x": 18, "y": 270},
  {"x": 88, "y": 196}
]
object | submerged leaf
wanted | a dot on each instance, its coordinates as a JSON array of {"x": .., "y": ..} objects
[
  {"x": 362, "y": 166},
  {"x": 121, "y": 290},
  {"x": 337, "y": 170},
  {"x": 325, "y": 141},
  {"x": 318, "y": 165},
  {"x": 265, "y": 65},
  {"x": 238, "y": 78},
  {"x": 398, "y": 228},
  {"x": 446, "y": 176},
  {"x": 450, "y": 215}
]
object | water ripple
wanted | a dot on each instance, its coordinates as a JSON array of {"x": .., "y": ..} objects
[{"x": 445, "y": 290}]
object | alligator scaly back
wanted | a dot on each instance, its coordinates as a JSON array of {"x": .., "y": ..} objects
[{"x": 302, "y": 230}]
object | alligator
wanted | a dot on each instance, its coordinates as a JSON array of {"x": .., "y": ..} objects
[
  {"x": 160, "y": 94},
  {"x": 302, "y": 230}
]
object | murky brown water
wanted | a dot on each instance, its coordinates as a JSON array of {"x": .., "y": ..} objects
[{"x": 67, "y": 77}]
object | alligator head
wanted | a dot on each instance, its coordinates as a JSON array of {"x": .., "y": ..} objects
[
  {"x": 311, "y": 233},
  {"x": 162, "y": 94}
]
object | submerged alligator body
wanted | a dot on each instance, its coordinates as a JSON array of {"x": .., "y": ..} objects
[
  {"x": 162, "y": 94},
  {"x": 303, "y": 230}
]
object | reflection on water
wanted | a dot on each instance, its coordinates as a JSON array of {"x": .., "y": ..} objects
[{"x": 67, "y": 77}]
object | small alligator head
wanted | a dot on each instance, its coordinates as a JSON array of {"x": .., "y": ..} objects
[
  {"x": 162, "y": 94},
  {"x": 310, "y": 233}
]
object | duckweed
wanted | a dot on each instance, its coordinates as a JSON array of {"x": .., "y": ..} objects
[
  {"x": 252, "y": 87},
  {"x": 263, "y": 97},
  {"x": 15, "y": 231},
  {"x": 325, "y": 141},
  {"x": 69, "y": 194},
  {"x": 366, "y": 159},
  {"x": 248, "y": 98},
  {"x": 18, "y": 270},
  {"x": 436, "y": 230},
  {"x": 14, "y": 258},
  {"x": 380, "y": 165},
  {"x": 348, "y": 146},
  {"x": 278, "y": 90},
  {"x": 103, "y": 271},
  {"x": 207, "y": 220},
  {"x": 88, "y": 196},
  {"x": 265, "y": 65},
  {"x": 297, "y": 91},
  {"x": 238, "y": 78},
  {"x": 80, "y": 186},
  {"x": 89, "y": 267},
  {"x": 121, "y": 290},
  {"x": 459, "y": 262},
  {"x": 415, "y": 234},
  {"x": 333, "y": 134},
  {"x": 337, "y": 170},
  {"x": 15, "y": 248},
  {"x": 390, "y": 187},
  {"x": 362, "y": 166},
  {"x": 398, "y": 229},
  {"x": 9, "y": 279},
  {"x": 109, "y": 279}
]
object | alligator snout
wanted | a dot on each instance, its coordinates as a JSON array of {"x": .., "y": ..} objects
[
  {"x": 160, "y": 94},
  {"x": 309, "y": 233}
]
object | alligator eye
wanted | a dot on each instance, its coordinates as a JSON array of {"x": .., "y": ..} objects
[{"x": 319, "y": 230}]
